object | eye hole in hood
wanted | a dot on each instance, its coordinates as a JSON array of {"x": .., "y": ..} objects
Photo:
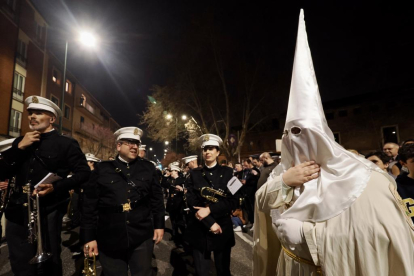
[{"x": 296, "y": 130}]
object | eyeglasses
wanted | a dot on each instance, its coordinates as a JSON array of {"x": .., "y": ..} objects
[{"x": 130, "y": 143}]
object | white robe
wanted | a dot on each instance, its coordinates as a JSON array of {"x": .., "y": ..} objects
[{"x": 372, "y": 237}]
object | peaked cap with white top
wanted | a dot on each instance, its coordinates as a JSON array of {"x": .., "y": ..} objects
[
  {"x": 307, "y": 136},
  {"x": 40, "y": 103},
  {"x": 132, "y": 133},
  {"x": 188, "y": 159}
]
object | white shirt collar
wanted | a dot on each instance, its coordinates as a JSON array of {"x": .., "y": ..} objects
[
  {"x": 215, "y": 163},
  {"x": 121, "y": 159}
]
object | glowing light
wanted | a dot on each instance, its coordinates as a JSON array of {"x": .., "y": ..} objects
[
  {"x": 88, "y": 39},
  {"x": 166, "y": 142},
  {"x": 184, "y": 117},
  {"x": 169, "y": 116}
]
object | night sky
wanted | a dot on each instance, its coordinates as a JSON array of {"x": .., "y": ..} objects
[{"x": 356, "y": 48}]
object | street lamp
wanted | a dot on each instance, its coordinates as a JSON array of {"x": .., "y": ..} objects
[
  {"x": 166, "y": 143},
  {"x": 169, "y": 117},
  {"x": 165, "y": 151},
  {"x": 87, "y": 39},
  {"x": 150, "y": 149}
]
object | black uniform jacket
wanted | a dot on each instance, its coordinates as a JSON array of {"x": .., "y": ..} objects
[
  {"x": 53, "y": 153},
  {"x": 114, "y": 230},
  {"x": 198, "y": 232},
  {"x": 175, "y": 198}
]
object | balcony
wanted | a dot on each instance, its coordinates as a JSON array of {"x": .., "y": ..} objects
[
  {"x": 21, "y": 59},
  {"x": 18, "y": 94}
]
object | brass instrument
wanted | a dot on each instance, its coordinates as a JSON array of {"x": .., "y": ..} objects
[
  {"x": 35, "y": 230},
  {"x": 5, "y": 196},
  {"x": 210, "y": 194},
  {"x": 89, "y": 266}
]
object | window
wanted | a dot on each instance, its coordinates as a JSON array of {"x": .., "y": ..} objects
[
  {"x": 39, "y": 31},
  {"x": 374, "y": 108},
  {"x": 18, "y": 86},
  {"x": 337, "y": 137},
  {"x": 56, "y": 76},
  {"x": 357, "y": 111},
  {"x": 67, "y": 112},
  {"x": 330, "y": 115},
  {"x": 54, "y": 100},
  {"x": 11, "y": 4},
  {"x": 21, "y": 53},
  {"x": 82, "y": 120},
  {"x": 68, "y": 87},
  {"x": 343, "y": 113},
  {"x": 82, "y": 100},
  {"x": 15, "y": 123},
  {"x": 390, "y": 134}
]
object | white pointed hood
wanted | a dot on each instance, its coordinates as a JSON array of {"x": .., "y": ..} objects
[{"x": 307, "y": 136}]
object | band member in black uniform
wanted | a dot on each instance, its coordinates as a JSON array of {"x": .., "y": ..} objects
[
  {"x": 175, "y": 202},
  {"x": 4, "y": 182},
  {"x": 210, "y": 228},
  {"x": 191, "y": 162},
  {"x": 123, "y": 210},
  {"x": 39, "y": 152}
]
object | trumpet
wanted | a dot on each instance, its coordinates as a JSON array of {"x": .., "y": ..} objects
[
  {"x": 210, "y": 194},
  {"x": 35, "y": 229},
  {"x": 5, "y": 196},
  {"x": 89, "y": 265}
]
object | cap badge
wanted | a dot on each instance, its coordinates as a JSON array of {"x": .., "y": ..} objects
[
  {"x": 35, "y": 100},
  {"x": 206, "y": 138},
  {"x": 136, "y": 131}
]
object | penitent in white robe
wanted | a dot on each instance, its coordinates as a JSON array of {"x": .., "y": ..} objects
[{"x": 374, "y": 237}]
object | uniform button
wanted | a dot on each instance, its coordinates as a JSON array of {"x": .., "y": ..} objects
[
  {"x": 34, "y": 159},
  {"x": 127, "y": 221},
  {"x": 128, "y": 174},
  {"x": 129, "y": 191},
  {"x": 37, "y": 149},
  {"x": 31, "y": 170}
]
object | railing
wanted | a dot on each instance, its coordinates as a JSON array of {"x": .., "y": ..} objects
[{"x": 18, "y": 94}]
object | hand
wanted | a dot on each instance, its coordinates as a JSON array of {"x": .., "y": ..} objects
[
  {"x": 202, "y": 212},
  {"x": 216, "y": 229},
  {"x": 43, "y": 189},
  {"x": 178, "y": 188},
  {"x": 4, "y": 184},
  {"x": 300, "y": 174},
  {"x": 28, "y": 139},
  {"x": 290, "y": 231},
  {"x": 243, "y": 181},
  {"x": 158, "y": 234},
  {"x": 90, "y": 248}
]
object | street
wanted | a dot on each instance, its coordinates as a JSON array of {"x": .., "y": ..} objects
[{"x": 167, "y": 260}]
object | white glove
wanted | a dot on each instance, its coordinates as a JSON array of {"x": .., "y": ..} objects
[{"x": 290, "y": 231}]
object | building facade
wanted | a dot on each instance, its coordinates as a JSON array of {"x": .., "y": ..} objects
[
  {"x": 28, "y": 68},
  {"x": 364, "y": 122}
]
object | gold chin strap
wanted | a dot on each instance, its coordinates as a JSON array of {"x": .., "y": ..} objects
[{"x": 303, "y": 261}]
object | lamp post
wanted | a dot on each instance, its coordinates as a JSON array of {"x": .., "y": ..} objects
[
  {"x": 86, "y": 39},
  {"x": 169, "y": 117}
]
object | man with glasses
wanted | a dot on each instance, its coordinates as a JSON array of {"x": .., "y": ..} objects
[{"x": 123, "y": 210}]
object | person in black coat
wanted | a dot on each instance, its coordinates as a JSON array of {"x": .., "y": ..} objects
[
  {"x": 123, "y": 210},
  {"x": 175, "y": 202},
  {"x": 34, "y": 155},
  {"x": 209, "y": 227}
]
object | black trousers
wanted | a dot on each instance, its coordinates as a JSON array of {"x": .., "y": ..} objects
[
  {"x": 138, "y": 260},
  {"x": 202, "y": 262},
  {"x": 21, "y": 251}
]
